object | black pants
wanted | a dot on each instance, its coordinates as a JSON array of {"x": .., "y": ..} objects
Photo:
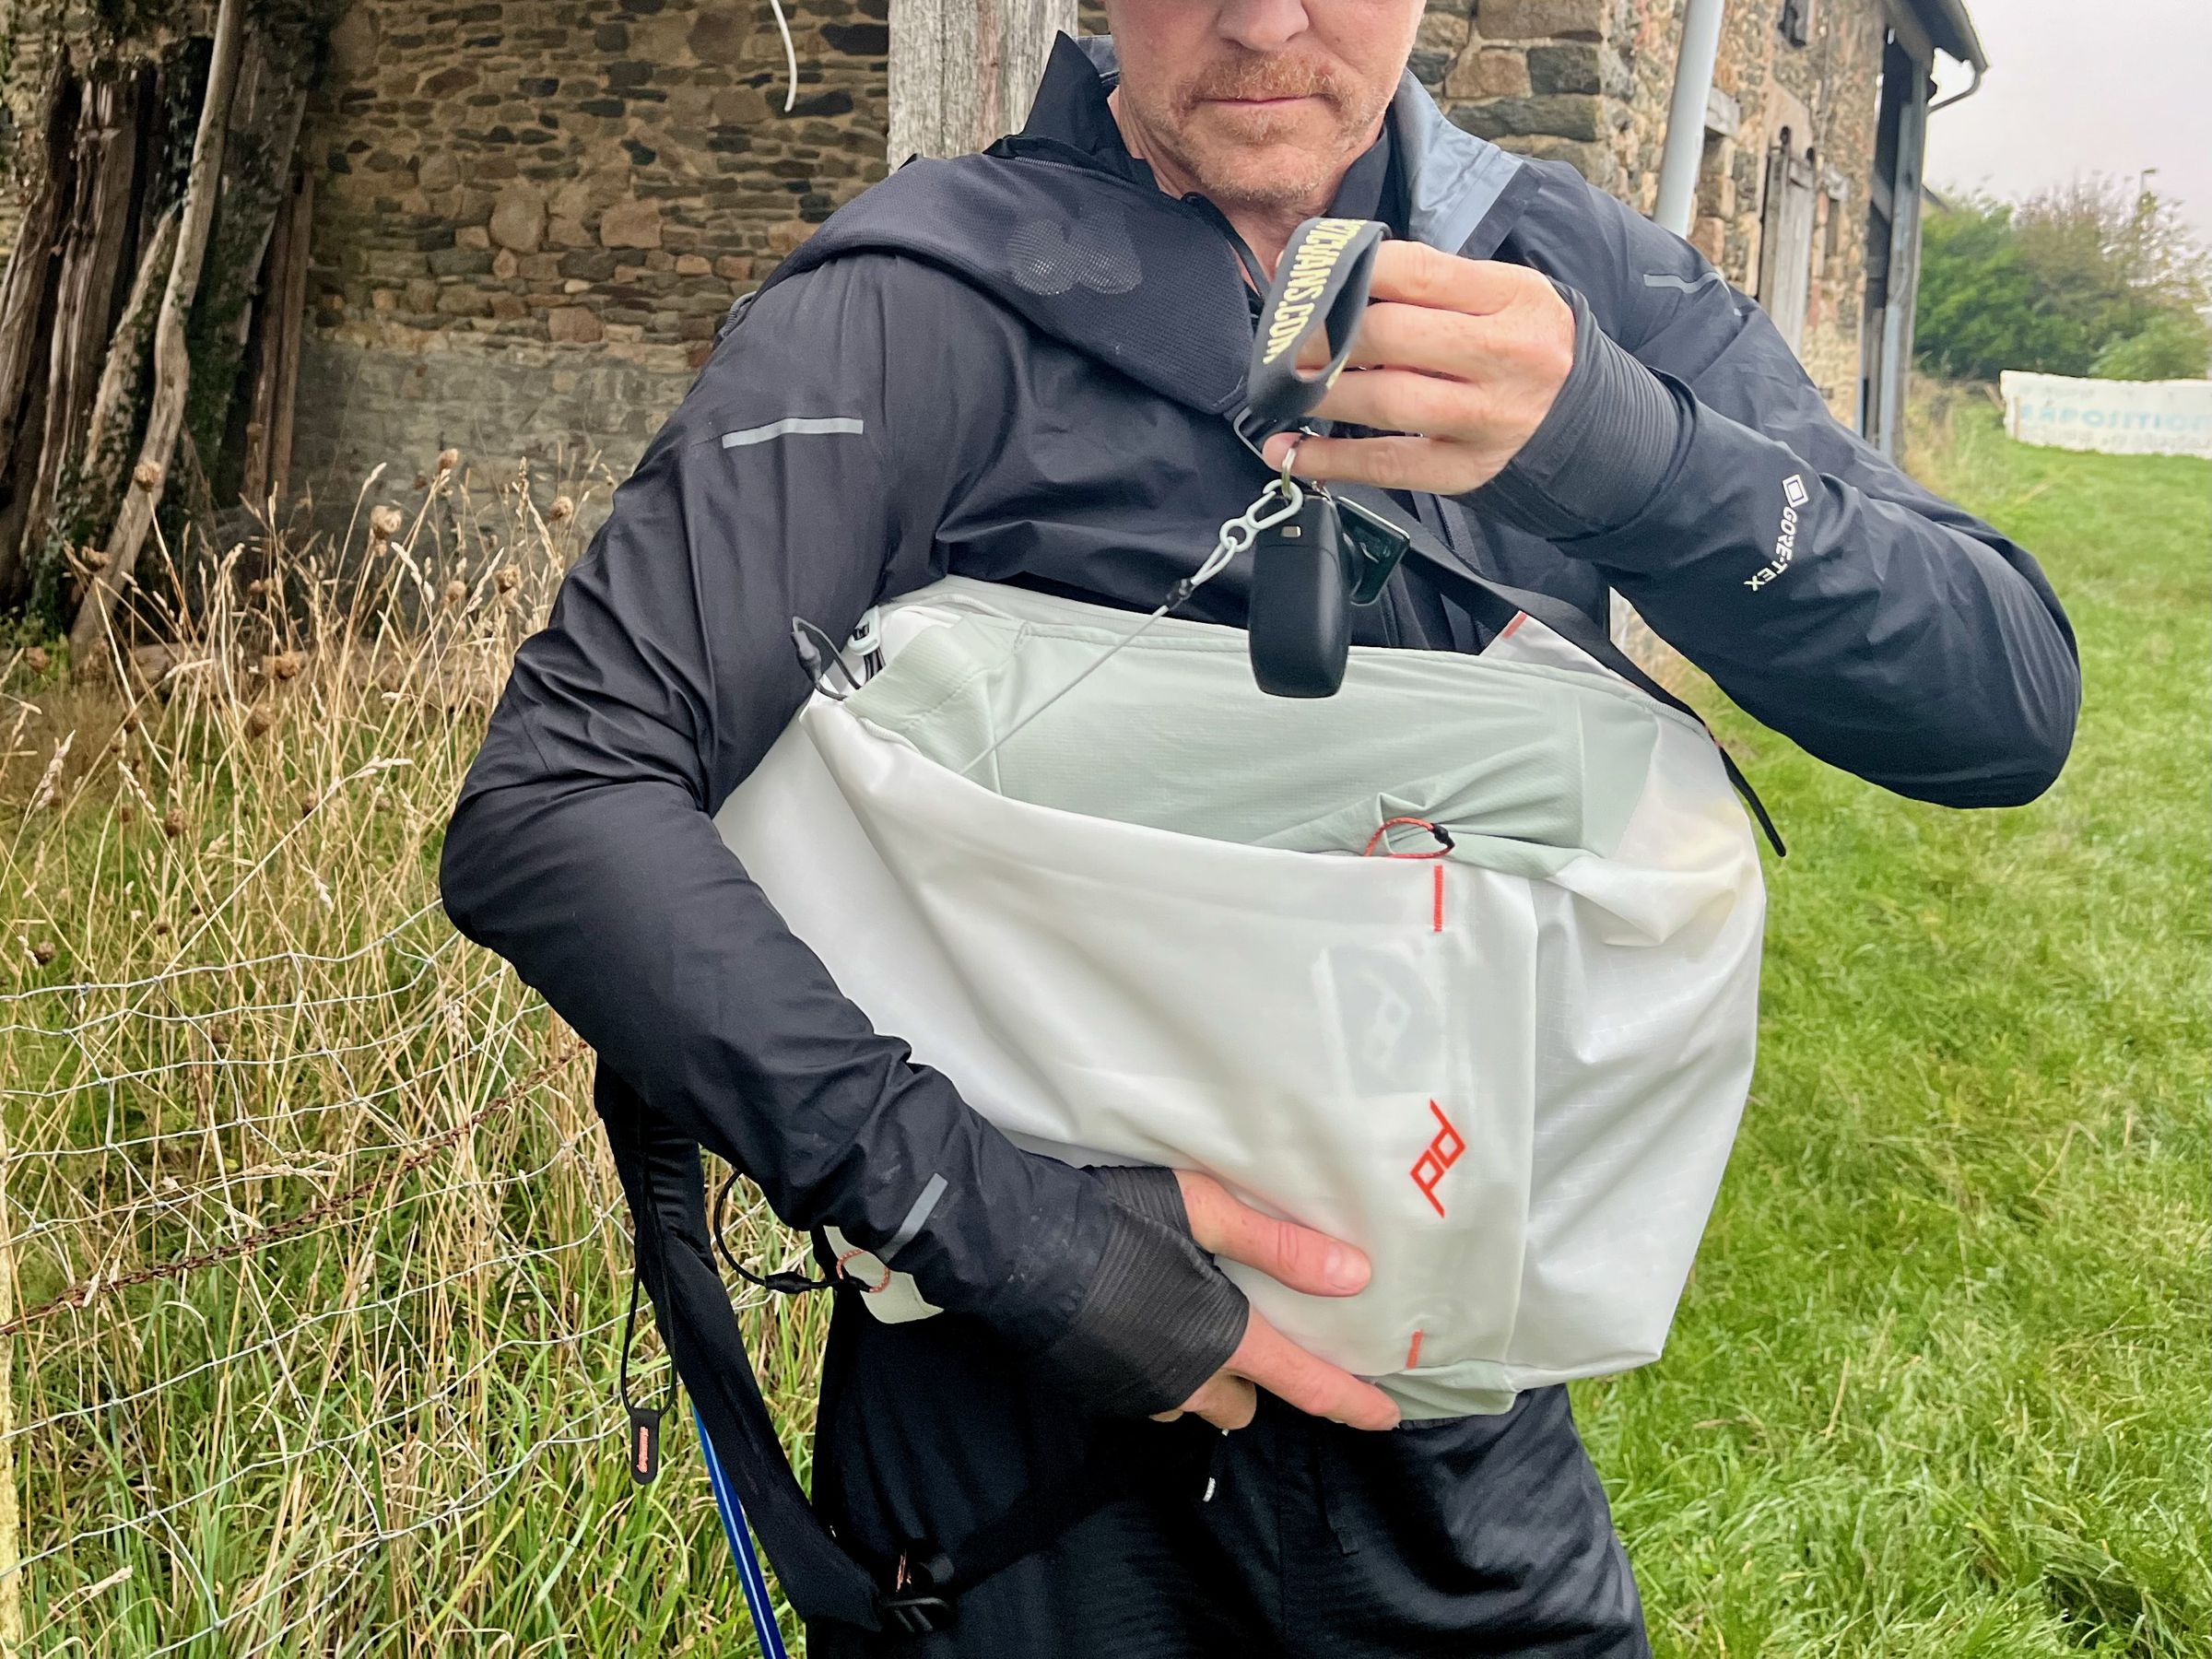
[{"x": 1477, "y": 1535}]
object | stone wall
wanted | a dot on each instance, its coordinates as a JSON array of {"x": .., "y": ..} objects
[
  {"x": 1826, "y": 94},
  {"x": 1589, "y": 82},
  {"x": 532, "y": 215},
  {"x": 1543, "y": 77}
]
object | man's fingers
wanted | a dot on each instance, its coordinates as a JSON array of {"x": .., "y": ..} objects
[
  {"x": 1315, "y": 352},
  {"x": 1399, "y": 400},
  {"x": 1393, "y": 335},
  {"x": 1290, "y": 1254},
  {"x": 1415, "y": 273},
  {"x": 1310, "y": 1385},
  {"x": 1389, "y": 463}
]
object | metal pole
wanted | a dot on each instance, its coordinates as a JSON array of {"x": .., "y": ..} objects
[
  {"x": 750, "y": 1579},
  {"x": 1685, "y": 116}
]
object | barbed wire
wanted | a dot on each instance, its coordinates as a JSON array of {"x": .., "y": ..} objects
[
  {"x": 486, "y": 1489},
  {"x": 312, "y": 1267},
  {"x": 78, "y": 1296},
  {"x": 174, "y": 972},
  {"x": 271, "y": 1343},
  {"x": 379, "y": 1044},
  {"x": 186, "y": 1197},
  {"x": 198, "y": 1132},
  {"x": 425, "y": 961},
  {"x": 329, "y": 1442}
]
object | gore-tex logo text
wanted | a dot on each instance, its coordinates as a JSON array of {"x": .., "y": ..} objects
[
  {"x": 1793, "y": 496},
  {"x": 1442, "y": 1153}
]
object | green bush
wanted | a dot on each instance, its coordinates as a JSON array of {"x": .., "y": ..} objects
[
  {"x": 2172, "y": 346},
  {"x": 2089, "y": 278}
]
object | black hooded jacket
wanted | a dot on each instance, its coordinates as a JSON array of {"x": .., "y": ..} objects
[{"x": 1020, "y": 367}]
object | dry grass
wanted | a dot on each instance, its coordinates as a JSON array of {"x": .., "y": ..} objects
[
  {"x": 230, "y": 997},
  {"x": 1938, "y": 1388}
]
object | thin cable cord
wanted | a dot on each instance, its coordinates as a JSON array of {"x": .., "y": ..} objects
[
  {"x": 791, "y": 58},
  {"x": 1236, "y": 535}
]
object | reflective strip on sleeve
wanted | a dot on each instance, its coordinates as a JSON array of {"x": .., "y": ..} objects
[
  {"x": 915, "y": 1217},
  {"x": 796, "y": 426}
]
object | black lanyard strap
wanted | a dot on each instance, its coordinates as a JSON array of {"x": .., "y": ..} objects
[{"x": 1322, "y": 282}]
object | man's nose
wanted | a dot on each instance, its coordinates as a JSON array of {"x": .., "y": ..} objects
[{"x": 1264, "y": 25}]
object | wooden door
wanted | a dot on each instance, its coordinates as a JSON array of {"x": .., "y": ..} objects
[{"x": 1785, "y": 241}]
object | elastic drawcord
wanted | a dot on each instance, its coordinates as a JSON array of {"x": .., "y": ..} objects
[{"x": 1323, "y": 1439}]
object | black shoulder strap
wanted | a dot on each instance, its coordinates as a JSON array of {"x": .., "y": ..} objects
[
  {"x": 1494, "y": 605},
  {"x": 663, "y": 1180}
]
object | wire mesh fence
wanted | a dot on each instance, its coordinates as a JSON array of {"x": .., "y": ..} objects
[{"x": 313, "y": 1264}]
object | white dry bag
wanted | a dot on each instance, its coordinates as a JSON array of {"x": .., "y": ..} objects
[{"x": 1172, "y": 920}]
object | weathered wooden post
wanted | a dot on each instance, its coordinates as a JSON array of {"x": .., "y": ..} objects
[
  {"x": 963, "y": 71},
  {"x": 172, "y": 362}
]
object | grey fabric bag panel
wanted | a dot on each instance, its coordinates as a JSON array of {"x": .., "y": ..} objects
[{"x": 1527, "y": 766}]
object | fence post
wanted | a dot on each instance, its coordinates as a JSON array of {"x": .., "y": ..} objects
[
  {"x": 963, "y": 71},
  {"x": 12, "y": 1643}
]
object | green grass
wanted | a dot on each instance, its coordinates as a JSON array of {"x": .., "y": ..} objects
[
  {"x": 1940, "y": 1383},
  {"x": 1940, "y": 1386}
]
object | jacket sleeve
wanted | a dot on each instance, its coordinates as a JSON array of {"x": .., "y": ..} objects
[
  {"x": 799, "y": 478},
  {"x": 1832, "y": 596}
]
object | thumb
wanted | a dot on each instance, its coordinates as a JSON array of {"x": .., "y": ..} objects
[{"x": 1299, "y": 1258}]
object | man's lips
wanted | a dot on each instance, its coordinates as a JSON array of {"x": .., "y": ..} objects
[{"x": 1265, "y": 103}]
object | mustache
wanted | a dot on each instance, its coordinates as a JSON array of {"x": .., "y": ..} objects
[{"x": 1268, "y": 77}]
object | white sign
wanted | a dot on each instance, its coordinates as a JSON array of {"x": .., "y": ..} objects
[{"x": 2113, "y": 417}]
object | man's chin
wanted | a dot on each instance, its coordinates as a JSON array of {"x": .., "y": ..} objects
[{"x": 1284, "y": 174}]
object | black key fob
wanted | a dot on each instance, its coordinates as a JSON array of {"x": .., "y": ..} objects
[
  {"x": 1373, "y": 548},
  {"x": 1301, "y": 615}
]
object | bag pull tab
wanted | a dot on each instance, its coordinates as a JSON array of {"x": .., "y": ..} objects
[
  {"x": 866, "y": 642},
  {"x": 643, "y": 1450},
  {"x": 822, "y": 662}
]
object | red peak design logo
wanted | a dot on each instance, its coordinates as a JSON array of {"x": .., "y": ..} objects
[{"x": 1442, "y": 1154}]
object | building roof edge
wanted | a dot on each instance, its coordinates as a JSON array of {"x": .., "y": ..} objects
[{"x": 1951, "y": 29}]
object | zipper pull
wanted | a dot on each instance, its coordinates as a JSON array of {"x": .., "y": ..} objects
[
  {"x": 641, "y": 1450},
  {"x": 645, "y": 1443}
]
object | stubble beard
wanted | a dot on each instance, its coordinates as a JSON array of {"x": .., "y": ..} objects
[{"x": 1261, "y": 160}]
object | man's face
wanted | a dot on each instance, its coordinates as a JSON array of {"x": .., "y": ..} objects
[{"x": 1262, "y": 102}]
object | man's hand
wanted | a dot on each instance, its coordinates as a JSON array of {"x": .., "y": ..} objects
[
  {"x": 1304, "y": 1260},
  {"x": 1464, "y": 355}
]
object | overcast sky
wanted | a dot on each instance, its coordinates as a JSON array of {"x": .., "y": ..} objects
[{"x": 2083, "y": 86}]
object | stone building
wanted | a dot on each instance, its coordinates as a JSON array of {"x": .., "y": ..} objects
[
  {"x": 1814, "y": 136},
  {"x": 529, "y": 215}
]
